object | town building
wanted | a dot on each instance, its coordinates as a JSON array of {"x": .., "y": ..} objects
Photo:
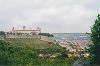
[{"x": 74, "y": 41}]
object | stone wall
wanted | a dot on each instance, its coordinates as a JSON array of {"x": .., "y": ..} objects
[
  {"x": 48, "y": 39},
  {"x": 22, "y": 36}
]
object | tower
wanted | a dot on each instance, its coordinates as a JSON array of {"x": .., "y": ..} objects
[
  {"x": 12, "y": 28},
  {"x": 38, "y": 30},
  {"x": 23, "y": 27}
]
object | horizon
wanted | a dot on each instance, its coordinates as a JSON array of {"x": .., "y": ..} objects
[
  {"x": 34, "y": 28},
  {"x": 52, "y": 16}
]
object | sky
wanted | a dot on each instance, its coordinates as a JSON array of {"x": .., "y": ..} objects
[{"x": 53, "y": 16}]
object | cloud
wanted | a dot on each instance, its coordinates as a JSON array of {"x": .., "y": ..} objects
[{"x": 51, "y": 15}]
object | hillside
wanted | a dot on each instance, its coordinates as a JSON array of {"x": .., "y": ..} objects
[
  {"x": 31, "y": 42},
  {"x": 32, "y": 52}
]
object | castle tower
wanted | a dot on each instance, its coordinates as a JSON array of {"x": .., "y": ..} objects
[
  {"x": 23, "y": 27},
  {"x": 13, "y": 28},
  {"x": 39, "y": 30}
]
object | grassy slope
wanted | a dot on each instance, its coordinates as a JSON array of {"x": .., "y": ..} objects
[{"x": 33, "y": 43}]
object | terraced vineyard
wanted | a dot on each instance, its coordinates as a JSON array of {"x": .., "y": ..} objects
[
  {"x": 31, "y": 42},
  {"x": 32, "y": 52}
]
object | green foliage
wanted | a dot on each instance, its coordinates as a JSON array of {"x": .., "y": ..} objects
[
  {"x": 2, "y": 33},
  {"x": 31, "y": 42},
  {"x": 46, "y": 34},
  {"x": 4, "y": 53},
  {"x": 28, "y": 56},
  {"x": 95, "y": 37}
]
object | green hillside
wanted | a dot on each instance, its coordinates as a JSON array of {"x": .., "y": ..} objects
[
  {"x": 26, "y": 52},
  {"x": 31, "y": 42}
]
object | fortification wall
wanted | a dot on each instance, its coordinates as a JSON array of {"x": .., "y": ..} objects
[
  {"x": 48, "y": 39},
  {"x": 22, "y": 36}
]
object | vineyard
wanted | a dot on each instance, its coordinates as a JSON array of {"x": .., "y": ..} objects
[
  {"x": 32, "y": 52},
  {"x": 31, "y": 42}
]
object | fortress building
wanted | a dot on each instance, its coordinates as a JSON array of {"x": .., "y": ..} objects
[{"x": 25, "y": 31}]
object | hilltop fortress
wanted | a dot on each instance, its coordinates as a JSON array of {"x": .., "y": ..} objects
[
  {"x": 29, "y": 33},
  {"x": 25, "y": 31}
]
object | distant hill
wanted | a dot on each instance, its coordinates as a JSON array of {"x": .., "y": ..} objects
[{"x": 71, "y": 35}]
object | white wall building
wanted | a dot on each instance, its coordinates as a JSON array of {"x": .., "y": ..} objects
[{"x": 26, "y": 31}]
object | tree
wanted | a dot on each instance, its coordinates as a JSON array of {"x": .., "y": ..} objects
[
  {"x": 95, "y": 38},
  {"x": 4, "y": 53},
  {"x": 2, "y": 33},
  {"x": 46, "y": 34}
]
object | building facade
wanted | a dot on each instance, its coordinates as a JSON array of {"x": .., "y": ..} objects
[{"x": 25, "y": 31}]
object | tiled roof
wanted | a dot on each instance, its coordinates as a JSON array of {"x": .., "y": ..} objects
[{"x": 25, "y": 30}]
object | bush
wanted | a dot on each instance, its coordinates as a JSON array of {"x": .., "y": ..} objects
[
  {"x": 46, "y": 34},
  {"x": 4, "y": 53},
  {"x": 2, "y": 33}
]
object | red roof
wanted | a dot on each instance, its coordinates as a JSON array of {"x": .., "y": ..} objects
[{"x": 25, "y": 30}]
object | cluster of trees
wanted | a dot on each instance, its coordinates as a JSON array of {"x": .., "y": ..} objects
[
  {"x": 95, "y": 38},
  {"x": 2, "y": 33},
  {"x": 46, "y": 34}
]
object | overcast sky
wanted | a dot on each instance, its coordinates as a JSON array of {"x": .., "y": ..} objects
[{"x": 51, "y": 15}]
